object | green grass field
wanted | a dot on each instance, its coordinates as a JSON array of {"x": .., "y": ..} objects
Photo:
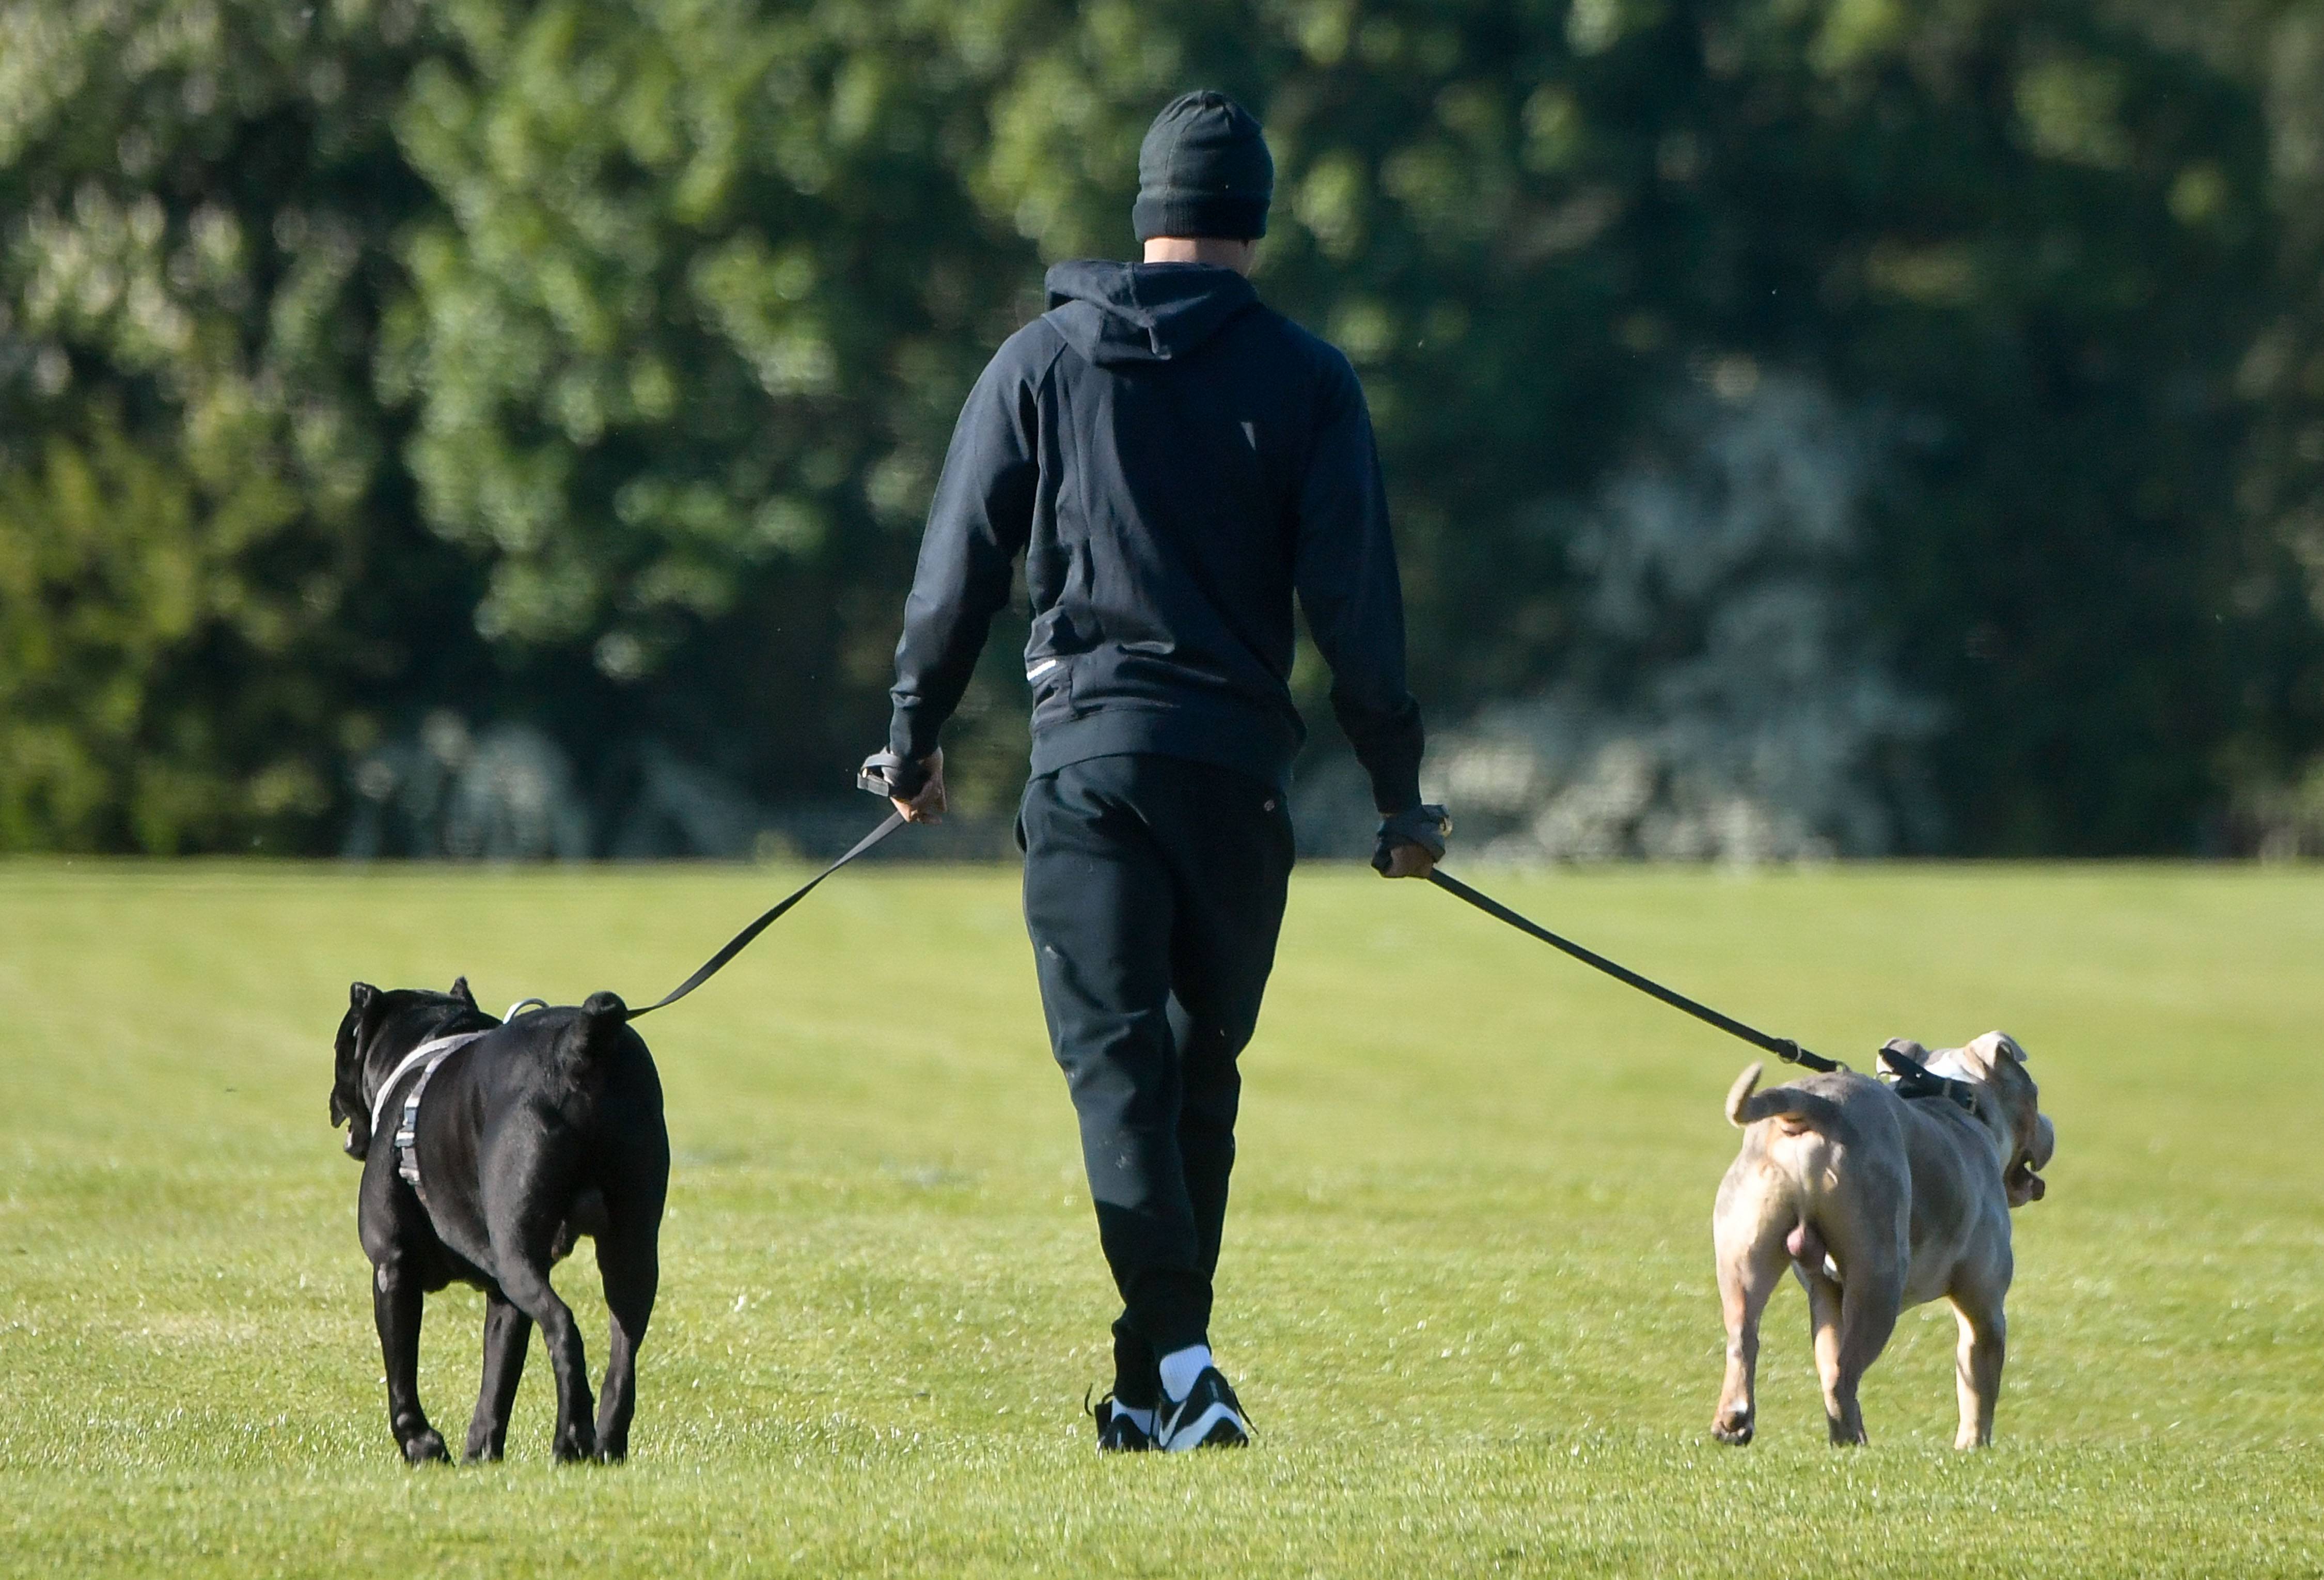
[{"x": 1467, "y": 1292}]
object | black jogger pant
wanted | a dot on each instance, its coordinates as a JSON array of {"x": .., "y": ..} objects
[{"x": 1154, "y": 892}]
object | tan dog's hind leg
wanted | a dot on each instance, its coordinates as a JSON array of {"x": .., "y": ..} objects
[
  {"x": 1977, "y": 1366},
  {"x": 1868, "y": 1309},
  {"x": 1824, "y": 1322},
  {"x": 1852, "y": 1324},
  {"x": 1749, "y": 1269}
]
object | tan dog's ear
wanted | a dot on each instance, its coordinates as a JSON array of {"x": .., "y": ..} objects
[
  {"x": 1986, "y": 1053},
  {"x": 1904, "y": 1049}
]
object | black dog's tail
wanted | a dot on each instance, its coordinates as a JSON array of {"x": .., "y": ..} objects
[{"x": 598, "y": 1031}]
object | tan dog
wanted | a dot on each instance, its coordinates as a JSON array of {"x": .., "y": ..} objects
[{"x": 1877, "y": 1203}]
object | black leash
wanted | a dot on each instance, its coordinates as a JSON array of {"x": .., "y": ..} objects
[
  {"x": 742, "y": 940},
  {"x": 1783, "y": 1047},
  {"x": 1913, "y": 1078}
]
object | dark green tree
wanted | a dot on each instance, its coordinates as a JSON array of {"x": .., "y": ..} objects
[
  {"x": 209, "y": 577},
  {"x": 591, "y": 363},
  {"x": 2042, "y": 241}
]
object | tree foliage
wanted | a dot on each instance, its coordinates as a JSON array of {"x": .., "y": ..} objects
[
  {"x": 589, "y": 363},
  {"x": 201, "y": 540}
]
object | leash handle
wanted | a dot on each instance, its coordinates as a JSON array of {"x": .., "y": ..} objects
[
  {"x": 742, "y": 940},
  {"x": 1424, "y": 826},
  {"x": 889, "y": 774},
  {"x": 1783, "y": 1047}
]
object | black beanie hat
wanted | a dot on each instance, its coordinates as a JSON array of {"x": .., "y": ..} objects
[{"x": 1203, "y": 170}]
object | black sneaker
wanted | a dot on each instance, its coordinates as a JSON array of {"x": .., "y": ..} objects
[
  {"x": 1209, "y": 1416},
  {"x": 1116, "y": 1432}
]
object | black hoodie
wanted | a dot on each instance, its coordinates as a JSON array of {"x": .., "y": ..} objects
[{"x": 1175, "y": 460}]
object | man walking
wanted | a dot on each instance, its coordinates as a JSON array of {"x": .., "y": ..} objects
[{"x": 1174, "y": 461}]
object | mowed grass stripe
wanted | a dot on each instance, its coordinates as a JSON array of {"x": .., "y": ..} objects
[{"x": 1467, "y": 1290}]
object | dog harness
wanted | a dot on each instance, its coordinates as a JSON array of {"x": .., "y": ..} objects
[{"x": 428, "y": 1057}]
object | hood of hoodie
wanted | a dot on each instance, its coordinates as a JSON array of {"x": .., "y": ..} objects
[{"x": 1117, "y": 313}]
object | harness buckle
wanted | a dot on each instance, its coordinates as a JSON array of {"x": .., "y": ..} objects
[{"x": 407, "y": 1138}]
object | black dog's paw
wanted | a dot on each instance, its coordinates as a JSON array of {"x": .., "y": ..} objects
[
  {"x": 577, "y": 1444},
  {"x": 427, "y": 1449},
  {"x": 613, "y": 1453}
]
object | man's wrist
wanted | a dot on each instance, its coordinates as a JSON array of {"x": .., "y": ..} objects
[
  {"x": 1397, "y": 790},
  {"x": 912, "y": 734}
]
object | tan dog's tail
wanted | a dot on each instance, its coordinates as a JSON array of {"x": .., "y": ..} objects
[{"x": 1744, "y": 1106}]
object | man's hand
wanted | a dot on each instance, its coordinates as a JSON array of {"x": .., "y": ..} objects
[
  {"x": 1405, "y": 860},
  {"x": 1411, "y": 843},
  {"x": 929, "y": 806}
]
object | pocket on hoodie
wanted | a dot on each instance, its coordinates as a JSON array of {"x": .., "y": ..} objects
[{"x": 1052, "y": 681}]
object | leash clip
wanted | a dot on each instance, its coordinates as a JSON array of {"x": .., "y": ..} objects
[{"x": 1791, "y": 1052}]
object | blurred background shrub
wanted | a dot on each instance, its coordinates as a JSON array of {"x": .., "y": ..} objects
[{"x": 444, "y": 427}]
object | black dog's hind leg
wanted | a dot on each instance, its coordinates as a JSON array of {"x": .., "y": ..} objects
[
  {"x": 629, "y": 1262},
  {"x": 396, "y": 1299},
  {"x": 507, "y": 1331},
  {"x": 523, "y": 1254}
]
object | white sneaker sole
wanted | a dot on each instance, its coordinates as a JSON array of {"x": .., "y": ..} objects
[{"x": 1192, "y": 1435}]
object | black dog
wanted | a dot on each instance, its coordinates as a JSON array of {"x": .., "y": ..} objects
[{"x": 531, "y": 1134}]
